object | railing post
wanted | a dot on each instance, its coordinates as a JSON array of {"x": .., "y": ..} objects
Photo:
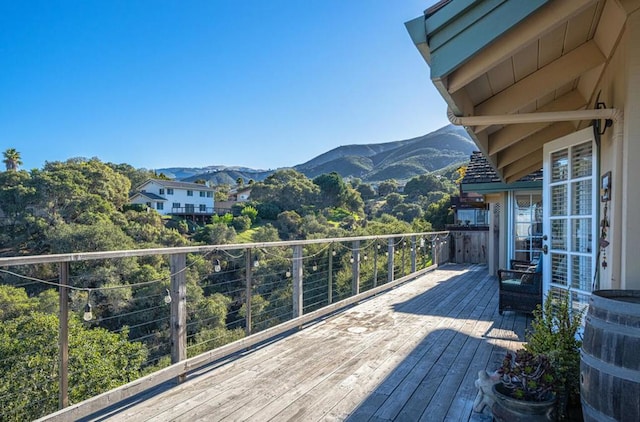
[
  {"x": 248, "y": 291},
  {"x": 413, "y": 254},
  {"x": 63, "y": 342},
  {"x": 355, "y": 268},
  {"x": 434, "y": 249},
  {"x": 178, "y": 263},
  {"x": 391, "y": 250},
  {"x": 297, "y": 281},
  {"x": 375, "y": 265},
  {"x": 330, "y": 278},
  {"x": 404, "y": 249}
]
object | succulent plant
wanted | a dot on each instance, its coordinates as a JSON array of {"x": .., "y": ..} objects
[{"x": 527, "y": 376}]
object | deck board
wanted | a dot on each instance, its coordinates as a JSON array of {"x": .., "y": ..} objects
[{"x": 410, "y": 354}]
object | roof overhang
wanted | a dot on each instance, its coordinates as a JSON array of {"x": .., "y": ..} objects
[
  {"x": 493, "y": 59},
  {"x": 486, "y": 188}
]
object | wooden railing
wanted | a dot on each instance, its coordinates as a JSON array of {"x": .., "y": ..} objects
[{"x": 376, "y": 263}]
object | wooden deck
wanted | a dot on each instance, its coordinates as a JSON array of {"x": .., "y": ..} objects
[{"x": 407, "y": 355}]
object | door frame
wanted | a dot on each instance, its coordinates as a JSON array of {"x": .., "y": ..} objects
[{"x": 567, "y": 142}]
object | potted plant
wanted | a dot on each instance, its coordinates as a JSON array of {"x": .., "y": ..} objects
[
  {"x": 555, "y": 333},
  {"x": 525, "y": 391}
]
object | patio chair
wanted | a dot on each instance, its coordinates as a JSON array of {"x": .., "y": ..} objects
[{"x": 520, "y": 289}]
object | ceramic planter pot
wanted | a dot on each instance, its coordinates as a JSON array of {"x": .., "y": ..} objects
[{"x": 508, "y": 409}]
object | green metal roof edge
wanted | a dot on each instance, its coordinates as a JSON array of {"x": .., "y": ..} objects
[
  {"x": 417, "y": 30},
  {"x": 466, "y": 27},
  {"x": 496, "y": 187}
]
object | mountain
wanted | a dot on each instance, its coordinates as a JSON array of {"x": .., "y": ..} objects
[{"x": 400, "y": 160}]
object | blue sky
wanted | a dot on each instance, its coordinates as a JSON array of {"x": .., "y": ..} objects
[{"x": 157, "y": 83}]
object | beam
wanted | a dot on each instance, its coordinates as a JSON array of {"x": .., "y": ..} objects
[
  {"x": 533, "y": 143},
  {"x": 511, "y": 134},
  {"x": 524, "y": 166},
  {"x": 524, "y": 172},
  {"x": 541, "y": 22},
  {"x": 548, "y": 78}
]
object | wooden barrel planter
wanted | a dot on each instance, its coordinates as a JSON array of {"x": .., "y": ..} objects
[{"x": 610, "y": 358}]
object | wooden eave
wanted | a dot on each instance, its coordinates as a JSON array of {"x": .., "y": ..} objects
[{"x": 551, "y": 60}]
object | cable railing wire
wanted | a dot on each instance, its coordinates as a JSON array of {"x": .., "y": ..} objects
[{"x": 143, "y": 310}]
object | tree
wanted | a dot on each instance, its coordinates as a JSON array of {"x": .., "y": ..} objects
[
  {"x": 427, "y": 183},
  {"x": 216, "y": 234},
  {"x": 266, "y": 233},
  {"x": 250, "y": 212},
  {"x": 332, "y": 189},
  {"x": 98, "y": 361},
  {"x": 135, "y": 176},
  {"x": 222, "y": 193},
  {"x": 439, "y": 214},
  {"x": 407, "y": 212},
  {"x": 387, "y": 187},
  {"x": 288, "y": 190},
  {"x": 289, "y": 223},
  {"x": 241, "y": 223},
  {"x": 12, "y": 159},
  {"x": 101, "y": 236},
  {"x": 80, "y": 190},
  {"x": 240, "y": 182},
  {"x": 386, "y": 224},
  {"x": 366, "y": 191},
  {"x": 394, "y": 199}
]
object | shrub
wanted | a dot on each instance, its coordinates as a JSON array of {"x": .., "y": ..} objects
[{"x": 554, "y": 333}]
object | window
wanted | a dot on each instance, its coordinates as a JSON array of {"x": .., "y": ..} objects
[
  {"x": 189, "y": 208},
  {"x": 473, "y": 217},
  {"x": 161, "y": 191},
  {"x": 209, "y": 194},
  {"x": 159, "y": 206},
  {"x": 149, "y": 204},
  {"x": 169, "y": 191},
  {"x": 527, "y": 225},
  {"x": 189, "y": 193},
  {"x": 203, "y": 208},
  {"x": 175, "y": 205},
  {"x": 202, "y": 194}
]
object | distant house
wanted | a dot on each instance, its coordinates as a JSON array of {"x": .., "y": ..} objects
[
  {"x": 240, "y": 194},
  {"x": 235, "y": 196},
  {"x": 168, "y": 197},
  {"x": 512, "y": 213}
]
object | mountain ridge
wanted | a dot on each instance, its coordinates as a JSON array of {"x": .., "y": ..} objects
[{"x": 400, "y": 160}]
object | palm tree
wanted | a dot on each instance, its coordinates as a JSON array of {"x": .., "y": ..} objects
[{"x": 12, "y": 159}]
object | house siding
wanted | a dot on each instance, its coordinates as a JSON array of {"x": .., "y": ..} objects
[{"x": 194, "y": 203}]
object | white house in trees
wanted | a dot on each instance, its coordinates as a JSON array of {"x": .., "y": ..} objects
[{"x": 168, "y": 197}]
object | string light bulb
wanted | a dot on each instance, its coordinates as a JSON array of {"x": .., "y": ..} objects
[
  {"x": 88, "y": 315},
  {"x": 288, "y": 273},
  {"x": 422, "y": 242},
  {"x": 256, "y": 263},
  {"x": 333, "y": 253},
  {"x": 315, "y": 266},
  {"x": 351, "y": 260},
  {"x": 366, "y": 257},
  {"x": 217, "y": 267},
  {"x": 167, "y": 298}
]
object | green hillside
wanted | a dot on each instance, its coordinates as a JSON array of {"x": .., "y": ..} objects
[{"x": 400, "y": 160}]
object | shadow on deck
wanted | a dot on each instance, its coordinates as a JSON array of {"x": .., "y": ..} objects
[{"x": 410, "y": 354}]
